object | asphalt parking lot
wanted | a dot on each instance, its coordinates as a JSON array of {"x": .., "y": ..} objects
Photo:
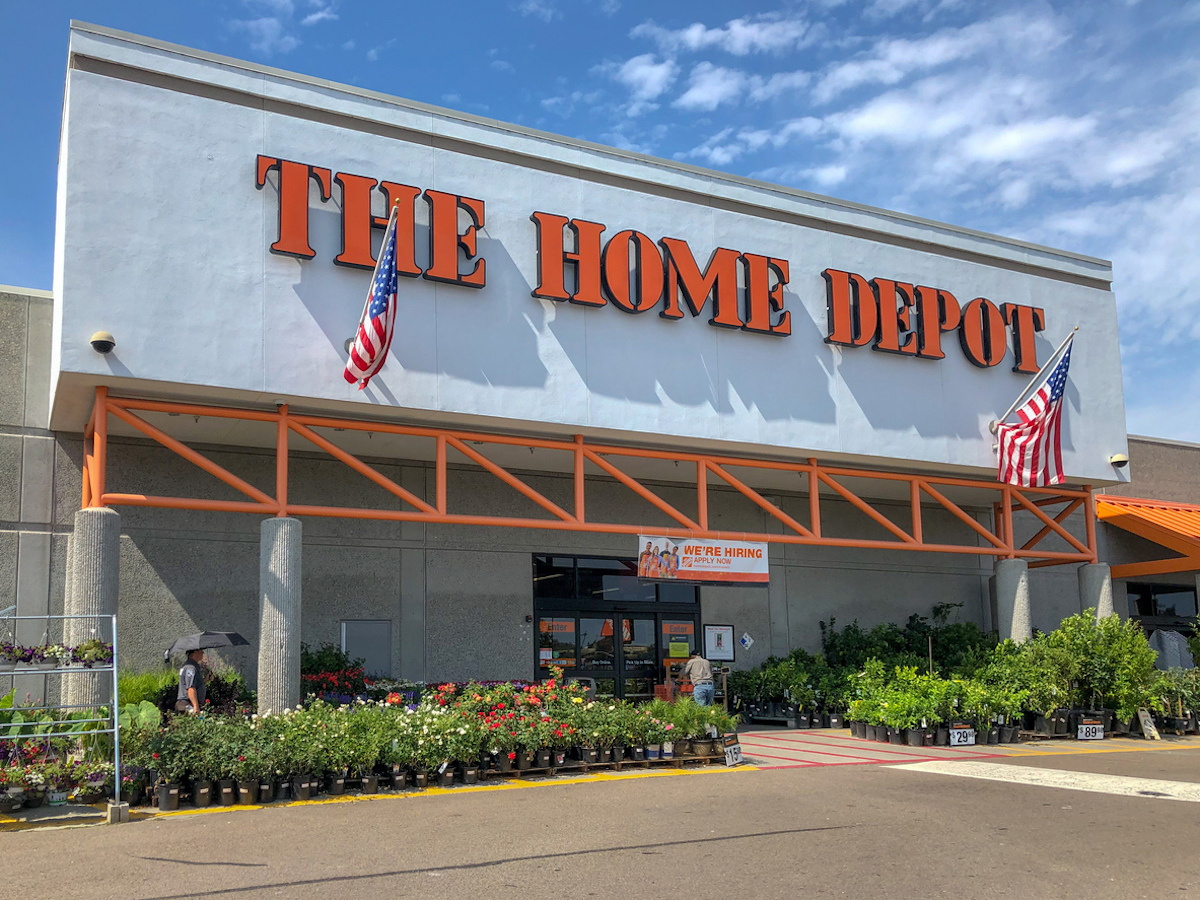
[{"x": 818, "y": 831}]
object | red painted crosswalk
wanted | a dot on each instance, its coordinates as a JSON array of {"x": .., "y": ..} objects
[{"x": 779, "y": 748}]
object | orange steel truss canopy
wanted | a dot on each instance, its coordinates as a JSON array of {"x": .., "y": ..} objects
[
  {"x": 1175, "y": 526},
  {"x": 709, "y": 468}
]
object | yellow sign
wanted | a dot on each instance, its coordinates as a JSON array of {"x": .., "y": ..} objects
[{"x": 678, "y": 650}]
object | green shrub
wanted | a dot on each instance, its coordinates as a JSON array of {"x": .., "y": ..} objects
[{"x": 134, "y": 687}]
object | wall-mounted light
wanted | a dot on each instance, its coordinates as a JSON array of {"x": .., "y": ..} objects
[{"x": 103, "y": 342}]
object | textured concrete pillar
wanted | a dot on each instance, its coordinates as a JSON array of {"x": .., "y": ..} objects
[
  {"x": 279, "y": 615},
  {"x": 1012, "y": 600},
  {"x": 93, "y": 582},
  {"x": 1096, "y": 589}
]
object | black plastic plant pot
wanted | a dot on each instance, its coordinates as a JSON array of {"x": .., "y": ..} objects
[
  {"x": 369, "y": 784},
  {"x": 895, "y": 736},
  {"x": 266, "y": 790},
  {"x": 618, "y": 753},
  {"x": 868, "y": 731},
  {"x": 591, "y": 755},
  {"x": 445, "y": 777},
  {"x": 914, "y": 737},
  {"x": 420, "y": 778},
  {"x": 503, "y": 763},
  {"x": 541, "y": 759},
  {"x": 941, "y": 737},
  {"x": 558, "y": 757},
  {"x": 469, "y": 774},
  {"x": 399, "y": 781},
  {"x": 803, "y": 720},
  {"x": 993, "y": 734},
  {"x": 881, "y": 734},
  {"x": 201, "y": 794},
  {"x": 283, "y": 790},
  {"x": 637, "y": 754},
  {"x": 168, "y": 797},
  {"x": 837, "y": 720},
  {"x": 301, "y": 788},
  {"x": 247, "y": 792},
  {"x": 226, "y": 792},
  {"x": 336, "y": 784},
  {"x": 605, "y": 754},
  {"x": 1059, "y": 721}
]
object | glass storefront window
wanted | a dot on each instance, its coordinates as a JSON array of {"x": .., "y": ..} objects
[
  {"x": 677, "y": 593},
  {"x": 554, "y": 577},
  {"x": 612, "y": 580},
  {"x": 556, "y": 643},
  {"x": 596, "y": 646},
  {"x": 638, "y": 643}
]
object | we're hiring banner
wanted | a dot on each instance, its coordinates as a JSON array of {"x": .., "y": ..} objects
[{"x": 722, "y": 562}]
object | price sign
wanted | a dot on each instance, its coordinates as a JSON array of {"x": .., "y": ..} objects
[
  {"x": 962, "y": 736},
  {"x": 733, "y": 750},
  {"x": 1090, "y": 730}
]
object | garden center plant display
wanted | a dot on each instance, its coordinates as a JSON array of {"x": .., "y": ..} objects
[
  {"x": 455, "y": 731},
  {"x": 884, "y": 679}
]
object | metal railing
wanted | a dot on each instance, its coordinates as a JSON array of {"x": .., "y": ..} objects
[{"x": 55, "y": 729}]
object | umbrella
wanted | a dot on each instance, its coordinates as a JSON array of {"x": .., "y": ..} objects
[{"x": 203, "y": 641}]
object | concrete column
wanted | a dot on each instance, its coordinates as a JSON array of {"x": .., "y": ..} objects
[
  {"x": 279, "y": 614},
  {"x": 1096, "y": 589},
  {"x": 1014, "y": 619},
  {"x": 93, "y": 582}
]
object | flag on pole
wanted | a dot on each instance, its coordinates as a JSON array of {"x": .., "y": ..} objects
[
  {"x": 370, "y": 348},
  {"x": 1031, "y": 449}
]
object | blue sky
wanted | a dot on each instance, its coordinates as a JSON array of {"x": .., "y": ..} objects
[{"x": 1075, "y": 124}]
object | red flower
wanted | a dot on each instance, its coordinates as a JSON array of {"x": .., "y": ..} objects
[{"x": 156, "y": 756}]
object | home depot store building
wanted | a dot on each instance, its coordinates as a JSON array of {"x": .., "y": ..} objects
[{"x": 590, "y": 345}]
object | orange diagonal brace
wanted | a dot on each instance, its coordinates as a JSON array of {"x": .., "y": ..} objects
[
  {"x": 957, "y": 511},
  {"x": 853, "y": 498},
  {"x": 761, "y": 501},
  {"x": 359, "y": 466},
  {"x": 641, "y": 491},
  {"x": 100, "y": 446},
  {"x": 1051, "y": 524},
  {"x": 1062, "y": 516},
  {"x": 509, "y": 479},
  {"x": 191, "y": 456}
]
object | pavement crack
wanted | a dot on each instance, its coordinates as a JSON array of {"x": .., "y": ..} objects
[{"x": 491, "y": 863}]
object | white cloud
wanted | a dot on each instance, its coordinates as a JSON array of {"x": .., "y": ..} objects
[
  {"x": 501, "y": 65},
  {"x": 709, "y": 86},
  {"x": 267, "y": 35},
  {"x": 891, "y": 60},
  {"x": 348, "y": 45},
  {"x": 645, "y": 77},
  {"x": 776, "y": 85},
  {"x": 771, "y": 33},
  {"x": 538, "y": 9},
  {"x": 322, "y": 11}
]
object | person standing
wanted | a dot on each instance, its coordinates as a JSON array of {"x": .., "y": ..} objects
[
  {"x": 699, "y": 670},
  {"x": 190, "y": 698}
]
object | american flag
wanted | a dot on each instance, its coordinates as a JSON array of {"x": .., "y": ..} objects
[
  {"x": 378, "y": 321},
  {"x": 1031, "y": 449}
]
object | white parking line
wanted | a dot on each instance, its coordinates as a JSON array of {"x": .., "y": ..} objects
[{"x": 1151, "y": 788}]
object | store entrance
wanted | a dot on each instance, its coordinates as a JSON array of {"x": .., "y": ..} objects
[{"x": 595, "y": 618}]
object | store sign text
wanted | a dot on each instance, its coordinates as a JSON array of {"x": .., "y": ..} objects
[{"x": 636, "y": 274}]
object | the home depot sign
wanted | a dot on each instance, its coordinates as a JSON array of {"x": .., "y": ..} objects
[{"x": 636, "y": 273}]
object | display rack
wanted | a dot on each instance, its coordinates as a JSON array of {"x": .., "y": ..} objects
[{"x": 60, "y": 728}]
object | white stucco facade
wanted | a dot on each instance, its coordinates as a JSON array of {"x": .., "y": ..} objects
[{"x": 163, "y": 240}]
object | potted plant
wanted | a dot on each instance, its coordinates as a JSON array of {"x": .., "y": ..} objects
[{"x": 92, "y": 652}]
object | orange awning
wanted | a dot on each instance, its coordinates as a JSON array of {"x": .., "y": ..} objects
[{"x": 1175, "y": 526}]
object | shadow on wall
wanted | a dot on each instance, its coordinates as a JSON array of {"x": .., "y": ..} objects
[
  {"x": 334, "y": 296},
  {"x": 176, "y": 585}
]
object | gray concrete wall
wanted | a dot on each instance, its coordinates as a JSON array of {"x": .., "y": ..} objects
[
  {"x": 1161, "y": 470},
  {"x": 27, "y": 449}
]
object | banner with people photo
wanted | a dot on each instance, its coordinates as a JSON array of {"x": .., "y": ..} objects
[{"x": 720, "y": 562}]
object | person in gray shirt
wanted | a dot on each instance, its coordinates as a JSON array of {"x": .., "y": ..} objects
[
  {"x": 699, "y": 670},
  {"x": 191, "y": 684}
]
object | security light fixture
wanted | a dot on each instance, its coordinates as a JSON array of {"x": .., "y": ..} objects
[
  {"x": 1119, "y": 460},
  {"x": 103, "y": 342}
]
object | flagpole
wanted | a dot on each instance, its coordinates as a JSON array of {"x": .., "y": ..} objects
[{"x": 1021, "y": 396}]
